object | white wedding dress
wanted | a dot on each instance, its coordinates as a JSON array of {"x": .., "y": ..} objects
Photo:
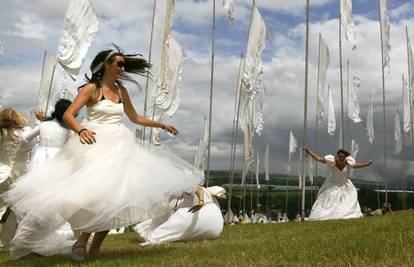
[
  {"x": 111, "y": 184},
  {"x": 52, "y": 138},
  {"x": 206, "y": 223},
  {"x": 337, "y": 197}
]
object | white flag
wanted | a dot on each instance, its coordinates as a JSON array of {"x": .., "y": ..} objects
[
  {"x": 248, "y": 146},
  {"x": 160, "y": 52},
  {"x": 346, "y": 19},
  {"x": 46, "y": 81},
  {"x": 310, "y": 170},
  {"x": 323, "y": 65},
  {"x": 293, "y": 144},
  {"x": 385, "y": 33},
  {"x": 201, "y": 154},
  {"x": 406, "y": 108},
  {"x": 397, "y": 133},
  {"x": 354, "y": 148},
  {"x": 257, "y": 171},
  {"x": 370, "y": 122},
  {"x": 353, "y": 101},
  {"x": 266, "y": 163},
  {"x": 252, "y": 85},
  {"x": 229, "y": 6},
  {"x": 78, "y": 31},
  {"x": 410, "y": 64},
  {"x": 1, "y": 49},
  {"x": 331, "y": 114},
  {"x": 165, "y": 99},
  {"x": 354, "y": 152}
]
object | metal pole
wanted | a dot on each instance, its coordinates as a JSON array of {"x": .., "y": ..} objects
[
  {"x": 147, "y": 79},
  {"x": 346, "y": 131},
  {"x": 305, "y": 112},
  {"x": 234, "y": 136},
  {"x": 383, "y": 109},
  {"x": 341, "y": 81},
  {"x": 403, "y": 150},
  {"x": 317, "y": 106},
  {"x": 410, "y": 86},
  {"x": 210, "y": 113}
]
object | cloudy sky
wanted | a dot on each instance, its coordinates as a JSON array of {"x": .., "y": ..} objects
[{"x": 28, "y": 28}]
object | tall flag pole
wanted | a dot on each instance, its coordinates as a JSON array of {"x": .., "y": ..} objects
[
  {"x": 293, "y": 144},
  {"x": 305, "y": 113},
  {"x": 323, "y": 64},
  {"x": 345, "y": 19},
  {"x": 210, "y": 113},
  {"x": 148, "y": 74},
  {"x": 385, "y": 49},
  {"x": 234, "y": 136},
  {"x": 371, "y": 135},
  {"x": 410, "y": 62},
  {"x": 266, "y": 164},
  {"x": 405, "y": 111}
]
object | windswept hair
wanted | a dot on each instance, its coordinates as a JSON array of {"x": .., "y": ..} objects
[
  {"x": 11, "y": 120},
  {"x": 342, "y": 151},
  {"x": 134, "y": 64},
  {"x": 60, "y": 107}
]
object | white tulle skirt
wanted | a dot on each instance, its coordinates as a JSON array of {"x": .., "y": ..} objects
[
  {"x": 111, "y": 184},
  {"x": 336, "y": 201}
]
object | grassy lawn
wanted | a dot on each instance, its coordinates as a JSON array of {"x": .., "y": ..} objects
[{"x": 369, "y": 241}]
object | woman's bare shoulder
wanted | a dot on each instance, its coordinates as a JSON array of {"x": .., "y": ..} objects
[{"x": 88, "y": 89}]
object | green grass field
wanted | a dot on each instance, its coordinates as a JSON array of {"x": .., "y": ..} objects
[{"x": 369, "y": 241}]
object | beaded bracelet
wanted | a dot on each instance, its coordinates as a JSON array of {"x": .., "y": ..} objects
[{"x": 81, "y": 130}]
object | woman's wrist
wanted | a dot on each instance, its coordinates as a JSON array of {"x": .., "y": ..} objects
[
  {"x": 200, "y": 202},
  {"x": 81, "y": 130}
]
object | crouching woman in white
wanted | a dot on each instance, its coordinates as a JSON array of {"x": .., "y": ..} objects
[
  {"x": 197, "y": 216},
  {"x": 337, "y": 197}
]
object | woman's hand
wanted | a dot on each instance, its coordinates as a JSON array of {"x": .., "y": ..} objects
[
  {"x": 305, "y": 148},
  {"x": 87, "y": 137},
  {"x": 39, "y": 114},
  {"x": 196, "y": 207},
  {"x": 370, "y": 162},
  {"x": 171, "y": 129}
]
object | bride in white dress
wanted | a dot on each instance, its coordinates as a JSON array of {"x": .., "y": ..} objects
[
  {"x": 337, "y": 197},
  {"x": 197, "y": 216},
  {"x": 103, "y": 179},
  {"x": 53, "y": 135}
]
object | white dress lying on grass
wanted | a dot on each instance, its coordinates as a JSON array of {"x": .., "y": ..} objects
[
  {"x": 207, "y": 223},
  {"x": 110, "y": 184},
  {"x": 337, "y": 197}
]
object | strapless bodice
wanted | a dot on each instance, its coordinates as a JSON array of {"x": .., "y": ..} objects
[{"x": 106, "y": 112}]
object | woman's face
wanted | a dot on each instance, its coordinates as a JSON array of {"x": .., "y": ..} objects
[
  {"x": 117, "y": 66},
  {"x": 341, "y": 157}
]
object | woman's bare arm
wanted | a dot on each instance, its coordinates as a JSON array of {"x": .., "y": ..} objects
[
  {"x": 84, "y": 96},
  {"x": 200, "y": 194},
  {"x": 314, "y": 155},
  {"x": 362, "y": 165},
  {"x": 134, "y": 117}
]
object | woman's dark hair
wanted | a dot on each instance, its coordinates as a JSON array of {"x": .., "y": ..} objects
[
  {"x": 341, "y": 151},
  {"x": 60, "y": 107},
  {"x": 134, "y": 63}
]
